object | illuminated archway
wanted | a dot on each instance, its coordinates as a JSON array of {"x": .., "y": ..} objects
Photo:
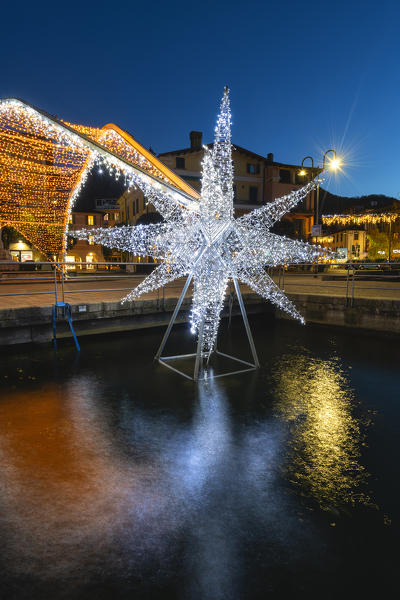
[{"x": 44, "y": 163}]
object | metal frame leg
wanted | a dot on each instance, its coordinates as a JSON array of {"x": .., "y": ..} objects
[
  {"x": 173, "y": 318},
  {"x": 246, "y": 323},
  {"x": 198, "y": 355}
]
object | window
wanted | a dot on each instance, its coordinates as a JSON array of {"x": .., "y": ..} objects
[
  {"x": 284, "y": 175},
  {"x": 253, "y": 194},
  {"x": 137, "y": 205},
  {"x": 70, "y": 219},
  {"x": 116, "y": 217},
  {"x": 90, "y": 220},
  {"x": 70, "y": 259},
  {"x": 253, "y": 169},
  {"x": 234, "y": 193},
  {"x": 89, "y": 260},
  {"x": 91, "y": 240},
  {"x": 356, "y": 235},
  {"x": 180, "y": 162},
  {"x": 106, "y": 217}
]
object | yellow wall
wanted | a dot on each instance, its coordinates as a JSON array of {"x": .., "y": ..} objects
[
  {"x": 267, "y": 180},
  {"x": 242, "y": 179},
  {"x": 132, "y": 206}
]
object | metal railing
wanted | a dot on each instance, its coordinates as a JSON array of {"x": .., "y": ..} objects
[
  {"x": 63, "y": 280},
  {"x": 59, "y": 276},
  {"x": 346, "y": 277}
]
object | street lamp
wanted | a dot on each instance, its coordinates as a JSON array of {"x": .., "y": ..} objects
[
  {"x": 303, "y": 172},
  {"x": 334, "y": 164}
]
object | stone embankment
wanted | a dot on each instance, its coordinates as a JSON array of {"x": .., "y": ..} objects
[{"x": 34, "y": 324}]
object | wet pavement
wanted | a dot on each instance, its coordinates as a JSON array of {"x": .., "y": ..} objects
[{"x": 81, "y": 289}]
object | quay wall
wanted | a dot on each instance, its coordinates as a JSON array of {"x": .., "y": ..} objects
[{"x": 34, "y": 324}]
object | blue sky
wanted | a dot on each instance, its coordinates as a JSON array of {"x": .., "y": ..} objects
[{"x": 304, "y": 76}]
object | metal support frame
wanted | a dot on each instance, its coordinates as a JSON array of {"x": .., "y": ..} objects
[
  {"x": 67, "y": 313},
  {"x": 199, "y": 355}
]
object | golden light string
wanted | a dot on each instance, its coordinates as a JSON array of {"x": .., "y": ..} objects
[
  {"x": 44, "y": 165},
  {"x": 365, "y": 219}
]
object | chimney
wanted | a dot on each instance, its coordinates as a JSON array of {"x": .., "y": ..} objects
[
  {"x": 270, "y": 157},
  {"x": 195, "y": 140}
]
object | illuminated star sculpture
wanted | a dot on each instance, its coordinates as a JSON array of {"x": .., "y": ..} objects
[{"x": 209, "y": 246}]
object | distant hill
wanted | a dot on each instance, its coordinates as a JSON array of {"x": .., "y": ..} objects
[{"x": 332, "y": 204}]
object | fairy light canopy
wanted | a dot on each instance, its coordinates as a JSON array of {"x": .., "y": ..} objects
[{"x": 44, "y": 163}]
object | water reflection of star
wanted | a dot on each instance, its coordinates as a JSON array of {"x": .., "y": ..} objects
[{"x": 71, "y": 492}]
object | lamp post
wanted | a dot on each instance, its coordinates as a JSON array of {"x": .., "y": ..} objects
[
  {"x": 303, "y": 172},
  {"x": 334, "y": 163}
]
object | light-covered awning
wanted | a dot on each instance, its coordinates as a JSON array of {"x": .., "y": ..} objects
[{"x": 44, "y": 163}]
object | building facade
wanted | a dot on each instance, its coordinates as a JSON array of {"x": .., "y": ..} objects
[
  {"x": 133, "y": 205},
  {"x": 84, "y": 251},
  {"x": 257, "y": 180},
  {"x": 110, "y": 209},
  {"x": 350, "y": 244}
]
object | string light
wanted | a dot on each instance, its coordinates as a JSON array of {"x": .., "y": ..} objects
[
  {"x": 211, "y": 246},
  {"x": 365, "y": 219},
  {"x": 325, "y": 239},
  {"x": 44, "y": 164}
]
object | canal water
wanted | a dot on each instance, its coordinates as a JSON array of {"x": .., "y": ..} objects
[{"x": 120, "y": 479}]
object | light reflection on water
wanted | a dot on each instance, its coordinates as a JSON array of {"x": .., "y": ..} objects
[
  {"x": 67, "y": 491},
  {"x": 315, "y": 398},
  {"x": 93, "y": 485}
]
